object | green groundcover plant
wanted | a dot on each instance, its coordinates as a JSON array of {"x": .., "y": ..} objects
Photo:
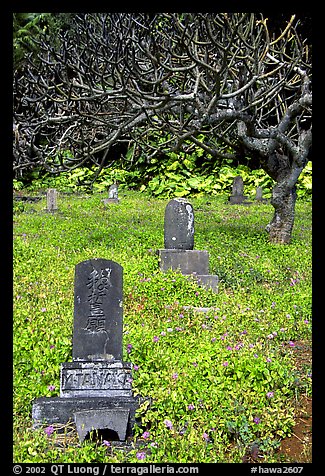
[
  {"x": 175, "y": 177},
  {"x": 213, "y": 384}
]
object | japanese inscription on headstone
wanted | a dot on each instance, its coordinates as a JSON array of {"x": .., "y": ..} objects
[
  {"x": 98, "y": 313},
  {"x": 96, "y": 387}
]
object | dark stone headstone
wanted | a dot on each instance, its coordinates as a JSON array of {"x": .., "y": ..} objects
[
  {"x": 98, "y": 312},
  {"x": 96, "y": 387},
  {"x": 237, "y": 196},
  {"x": 179, "y": 225},
  {"x": 238, "y": 186},
  {"x": 178, "y": 254},
  {"x": 259, "y": 195}
]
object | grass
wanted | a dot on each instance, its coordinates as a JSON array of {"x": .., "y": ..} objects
[{"x": 216, "y": 383}]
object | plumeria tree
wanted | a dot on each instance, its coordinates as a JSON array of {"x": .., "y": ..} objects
[{"x": 224, "y": 82}]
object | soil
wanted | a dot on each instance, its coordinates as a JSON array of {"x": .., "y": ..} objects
[{"x": 298, "y": 448}]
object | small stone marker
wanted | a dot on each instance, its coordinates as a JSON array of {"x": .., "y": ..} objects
[
  {"x": 96, "y": 387},
  {"x": 238, "y": 196},
  {"x": 179, "y": 225},
  {"x": 112, "y": 194},
  {"x": 179, "y": 243},
  {"x": 259, "y": 195},
  {"x": 51, "y": 200}
]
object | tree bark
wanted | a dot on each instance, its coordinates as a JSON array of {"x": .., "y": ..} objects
[{"x": 283, "y": 200}]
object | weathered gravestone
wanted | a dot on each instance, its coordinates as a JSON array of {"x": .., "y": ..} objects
[
  {"x": 95, "y": 388},
  {"x": 179, "y": 225},
  {"x": 259, "y": 195},
  {"x": 179, "y": 243},
  {"x": 51, "y": 200},
  {"x": 112, "y": 194},
  {"x": 237, "y": 196}
]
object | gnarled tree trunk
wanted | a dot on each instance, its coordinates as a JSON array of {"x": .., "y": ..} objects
[{"x": 280, "y": 227}]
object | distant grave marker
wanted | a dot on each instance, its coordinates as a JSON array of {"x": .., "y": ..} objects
[
  {"x": 238, "y": 196},
  {"x": 51, "y": 200},
  {"x": 112, "y": 195},
  {"x": 259, "y": 195}
]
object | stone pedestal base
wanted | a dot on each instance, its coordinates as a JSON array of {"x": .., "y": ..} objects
[
  {"x": 95, "y": 395},
  {"x": 96, "y": 379},
  {"x": 237, "y": 199},
  {"x": 185, "y": 261},
  {"x": 90, "y": 413},
  {"x": 208, "y": 281},
  {"x": 107, "y": 201},
  {"x": 189, "y": 262}
]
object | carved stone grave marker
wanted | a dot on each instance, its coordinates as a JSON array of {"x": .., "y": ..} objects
[
  {"x": 51, "y": 200},
  {"x": 237, "y": 196},
  {"x": 259, "y": 195},
  {"x": 96, "y": 387},
  {"x": 112, "y": 195},
  {"x": 179, "y": 225},
  {"x": 97, "y": 327},
  {"x": 179, "y": 243}
]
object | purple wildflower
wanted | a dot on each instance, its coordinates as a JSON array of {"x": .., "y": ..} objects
[
  {"x": 106, "y": 443},
  {"x": 205, "y": 436},
  {"x": 128, "y": 348},
  {"x": 256, "y": 420},
  {"x": 190, "y": 406},
  {"x": 270, "y": 394},
  {"x": 145, "y": 435},
  {"x": 168, "y": 424},
  {"x": 51, "y": 388},
  {"x": 49, "y": 430},
  {"x": 141, "y": 455},
  {"x": 155, "y": 338}
]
